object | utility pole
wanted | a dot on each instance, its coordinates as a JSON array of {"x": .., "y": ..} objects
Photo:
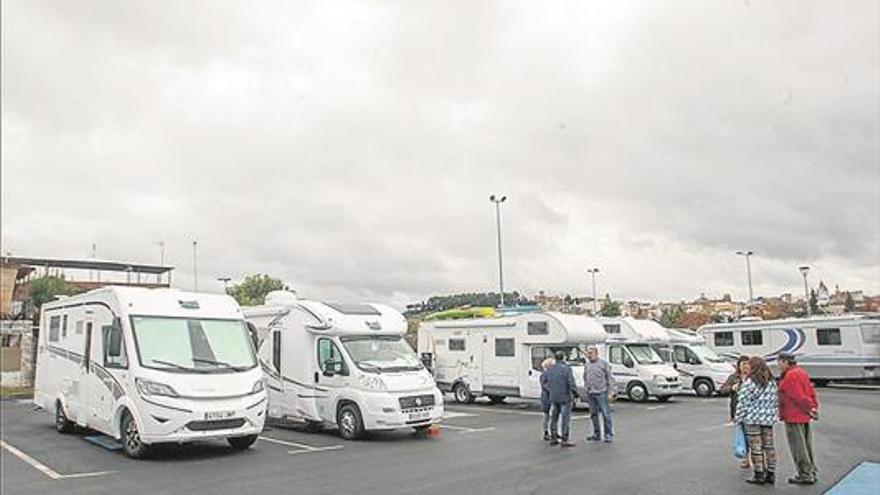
[
  {"x": 748, "y": 255},
  {"x": 498, "y": 200},
  {"x": 195, "y": 266},
  {"x": 805, "y": 270},
  {"x": 593, "y": 272}
]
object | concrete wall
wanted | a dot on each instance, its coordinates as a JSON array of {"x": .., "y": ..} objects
[{"x": 18, "y": 354}]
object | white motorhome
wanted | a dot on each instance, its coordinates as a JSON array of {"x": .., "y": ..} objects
[
  {"x": 148, "y": 366},
  {"x": 638, "y": 370},
  {"x": 829, "y": 348},
  {"x": 501, "y": 357},
  {"x": 701, "y": 370},
  {"x": 343, "y": 365}
]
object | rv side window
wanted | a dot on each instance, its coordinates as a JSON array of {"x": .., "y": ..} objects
[
  {"x": 723, "y": 339},
  {"x": 329, "y": 353},
  {"x": 538, "y": 328},
  {"x": 87, "y": 352},
  {"x": 276, "y": 350},
  {"x": 504, "y": 348},
  {"x": 871, "y": 333},
  {"x": 79, "y": 327},
  {"x": 456, "y": 344},
  {"x": 111, "y": 332},
  {"x": 64, "y": 326},
  {"x": 612, "y": 328},
  {"x": 680, "y": 354},
  {"x": 615, "y": 355},
  {"x": 828, "y": 336},
  {"x": 54, "y": 326},
  {"x": 752, "y": 337}
]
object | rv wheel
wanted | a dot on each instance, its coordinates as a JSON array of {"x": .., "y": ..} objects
[
  {"x": 663, "y": 398},
  {"x": 351, "y": 426},
  {"x": 820, "y": 383},
  {"x": 462, "y": 394},
  {"x": 496, "y": 399},
  {"x": 703, "y": 387},
  {"x": 132, "y": 445},
  {"x": 62, "y": 424},
  {"x": 637, "y": 392},
  {"x": 241, "y": 443}
]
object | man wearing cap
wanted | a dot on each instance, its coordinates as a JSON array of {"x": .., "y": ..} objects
[
  {"x": 600, "y": 389},
  {"x": 798, "y": 406}
]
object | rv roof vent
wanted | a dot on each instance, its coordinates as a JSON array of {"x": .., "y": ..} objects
[{"x": 281, "y": 298}]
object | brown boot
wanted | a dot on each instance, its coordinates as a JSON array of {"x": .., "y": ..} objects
[{"x": 757, "y": 479}]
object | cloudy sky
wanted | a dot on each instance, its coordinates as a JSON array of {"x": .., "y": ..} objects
[{"x": 350, "y": 147}]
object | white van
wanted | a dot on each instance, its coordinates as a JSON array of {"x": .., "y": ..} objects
[
  {"x": 701, "y": 370},
  {"x": 638, "y": 370},
  {"x": 147, "y": 366},
  {"x": 343, "y": 365},
  {"x": 828, "y": 347},
  {"x": 501, "y": 357}
]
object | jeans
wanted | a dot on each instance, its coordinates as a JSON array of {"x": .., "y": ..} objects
[
  {"x": 545, "y": 425},
  {"x": 800, "y": 442},
  {"x": 556, "y": 410},
  {"x": 599, "y": 405}
]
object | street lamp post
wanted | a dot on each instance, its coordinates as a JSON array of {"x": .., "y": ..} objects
[
  {"x": 804, "y": 271},
  {"x": 498, "y": 200},
  {"x": 593, "y": 272},
  {"x": 747, "y": 255},
  {"x": 225, "y": 281},
  {"x": 195, "y": 266}
]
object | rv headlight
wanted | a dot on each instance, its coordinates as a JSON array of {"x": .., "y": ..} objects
[
  {"x": 372, "y": 382},
  {"x": 258, "y": 387},
  {"x": 659, "y": 378},
  {"x": 147, "y": 387}
]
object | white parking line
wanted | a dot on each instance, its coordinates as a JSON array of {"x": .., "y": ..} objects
[
  {"x": 503, "y": 411},
  {"x": 454, "y": 414},
  {"x": 39, "y": 466},
  {"x": 654, "y": 408},
  {"x": 301, "y": 446},
  {"x": 464, "y": 429}
]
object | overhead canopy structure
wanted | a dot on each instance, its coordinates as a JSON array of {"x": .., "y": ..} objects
[{"x": 89, "y": 264}]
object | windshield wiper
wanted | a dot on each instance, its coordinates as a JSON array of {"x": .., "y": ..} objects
[
  {"x": 174, "y": 365},
  {"x": 365, "y": 364},
  {"x": 218, "y": 363}
]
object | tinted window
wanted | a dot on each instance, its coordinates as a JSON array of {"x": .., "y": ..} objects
[
  {"x": 456, "y": 344},
  {"x": 64, "y": 326},
  {"x": 615, "y": 355},
  {"x": 54, "y": 327},
  {"x": 328, "y": 352},
  {"x": 752, "y": 337},
  {"x": 723, "y": 339},
  {"x": 538, "y": 328},
  {"x": 828, "y": 336},
  {"x": 681, "y": 354},
  {"x": 871, "y": 333},
  {"x": 612, "y": 328},
  {"x": 504, "y": 348}
]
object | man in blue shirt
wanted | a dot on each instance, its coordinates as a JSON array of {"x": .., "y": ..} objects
[{"x": 560, "y": 383}]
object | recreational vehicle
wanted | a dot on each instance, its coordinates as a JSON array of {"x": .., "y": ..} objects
[
  {"x": 829, "y": 348},
  {"x": 343, "y": 365},
  {"x": 501, "y": 357},
  {"x": 147, "y": 366},
  {"x": 638, "y": 370},
  {"x": 701, "y": 370}
]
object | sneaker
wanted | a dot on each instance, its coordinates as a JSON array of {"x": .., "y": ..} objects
[
  {"x": 554, "y": 442},
  {"x": 801, "y": 481},
  {"x": 547, "y": 437},
  {"x": 609, "y": 439},
  {"x": 568, "y": 444},
  {"x": 593, "y": 438}
]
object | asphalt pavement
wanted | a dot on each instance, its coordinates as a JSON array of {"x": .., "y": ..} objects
[{"x": 681, "y": 447}]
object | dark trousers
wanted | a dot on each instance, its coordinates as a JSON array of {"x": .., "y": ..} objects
[
  {"x": 560, "y": 410},
  {"x": 800, "y": 443},
  {"x": 599, "y": 405}
]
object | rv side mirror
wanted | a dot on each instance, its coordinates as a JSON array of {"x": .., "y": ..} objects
[
  {"x": 332, "y": 368},
  {"x": 114, "y": 341},
  {"x": 628, "y": 362}
]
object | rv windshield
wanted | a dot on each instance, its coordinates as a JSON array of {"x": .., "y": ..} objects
[
  {"x": 381, "y": 353},
  {"x": 190, "y": 345},
  {"x": 705, "y": 353},
  {"x": 644, "y": 354}
]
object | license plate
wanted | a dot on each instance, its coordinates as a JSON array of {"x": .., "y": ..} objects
[
  {"x": 219, "y": 415},
  {"x": 416, "y": 416}
]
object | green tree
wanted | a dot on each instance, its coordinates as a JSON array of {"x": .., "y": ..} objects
[
  {"x": 671, "y": 317},
  {"x": 609, "y": 307},
  {"x": 45, "y": 289},
  {"x": 849, "y": 305},
  {"x": 253, "y": 289}
]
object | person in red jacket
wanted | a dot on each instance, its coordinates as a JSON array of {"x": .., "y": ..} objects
[{"x": 798, "y": 406}]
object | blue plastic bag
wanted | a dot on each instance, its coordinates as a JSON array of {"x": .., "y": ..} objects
[{"x": 740, "y": 447}]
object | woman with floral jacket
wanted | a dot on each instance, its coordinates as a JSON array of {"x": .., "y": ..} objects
[{"x": 758, "y": 409}]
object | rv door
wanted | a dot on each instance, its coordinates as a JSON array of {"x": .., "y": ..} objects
[
  {"x": 476, "y": 350},
  {"x": 85, "y": 383}
]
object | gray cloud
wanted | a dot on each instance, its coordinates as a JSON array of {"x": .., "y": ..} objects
[{"x": 351, "y": 148}]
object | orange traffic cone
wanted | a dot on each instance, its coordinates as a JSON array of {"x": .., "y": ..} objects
[{"x": 433, "y": 431}]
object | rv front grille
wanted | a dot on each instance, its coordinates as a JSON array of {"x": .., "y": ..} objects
[
  {"x": 217, "y": 424},
  {"x": 416, "y": 401}
]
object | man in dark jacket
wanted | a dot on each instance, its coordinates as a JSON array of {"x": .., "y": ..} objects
[
  {"x": 560, "y": 382},
  {"x": 798, "y": 406}
]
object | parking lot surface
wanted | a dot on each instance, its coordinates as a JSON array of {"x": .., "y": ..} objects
[{"x": 682, "y": 446}]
